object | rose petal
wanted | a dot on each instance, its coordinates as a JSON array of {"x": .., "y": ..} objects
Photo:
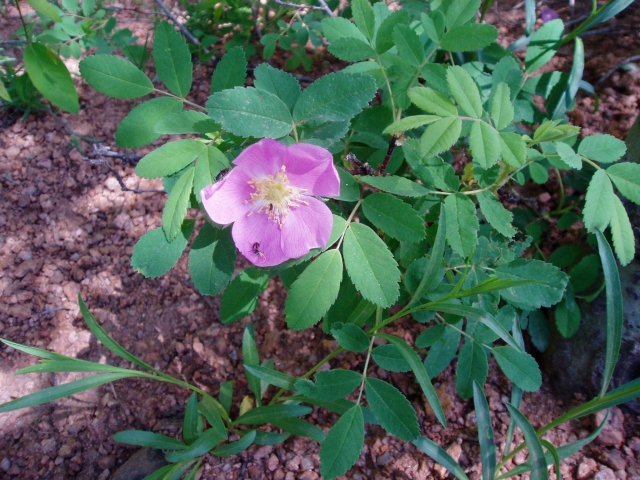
[
  {"x": 225, "y": 201},
  {"x": 259, "y": 239},
  {"x": 306, "y": 227},
  {"x": 311, "y": 167},
  {"x": 262, "y": 158}
]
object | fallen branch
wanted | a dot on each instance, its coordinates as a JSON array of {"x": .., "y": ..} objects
[
  {"x": 123, "y": 187},
  {"x": 182, "y": 28},
  {"x": 613, "y": 70},
  {"x": 323, "y": 6}
]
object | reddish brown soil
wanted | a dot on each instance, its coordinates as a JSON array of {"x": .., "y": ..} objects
[{"x": 66, "y": 227}]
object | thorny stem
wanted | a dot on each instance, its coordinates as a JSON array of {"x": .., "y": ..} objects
[{"x": 385, "y": 162}]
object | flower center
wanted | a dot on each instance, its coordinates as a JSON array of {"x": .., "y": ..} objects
[{"x": 275, "y": 197}]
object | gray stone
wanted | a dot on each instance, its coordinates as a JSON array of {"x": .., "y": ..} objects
[
  {"x": 576, "y": 364},
  {"x": 143, "y": 463}
]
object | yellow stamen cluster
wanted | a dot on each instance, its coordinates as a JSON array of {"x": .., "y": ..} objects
[{"x": 275, "y": 197}]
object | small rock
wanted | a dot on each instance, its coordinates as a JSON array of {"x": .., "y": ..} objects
[
  {"x": 272, "y": 463},
  {"x": 107, "y": 462},
  {"x": 198, "y": 347},
  {"x": 65, "y": 451},
  {"x": 605, "y": 473},
  {"x": 143, "y": 463},
  {"x": 384, "y": 459},
  {"x": 586, "y": 468},
  {"x": 48, "y": 446},
  {"x": 104, "y": 475},
  {"x": 306, "y": 464},
  {"x": 293, "y": 465},
  {"x": 634, "y": 444},
  {"x": 613, "y": 459},
  {"x": 5, "y": 464},
  {"x": 612, "y": 434}
]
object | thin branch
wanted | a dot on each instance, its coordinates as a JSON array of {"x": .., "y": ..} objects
[
  {"x": 124, "y": 188},
  {"x": 182, "y": 28},
  {"x": 613, "y": 70},
  {"x": 324, "y": 7},
  {"x": 104, "y": 151},
  {"x": 392, "y": 145}
]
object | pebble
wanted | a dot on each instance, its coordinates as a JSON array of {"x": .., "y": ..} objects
[
  {"x": 5, "y": 464},
  {"x": 613, "y": 459},
  {"x": 605, "y": 473},
  {"x": 612, "y": 434},
  {"x": 586, "y": 468}
]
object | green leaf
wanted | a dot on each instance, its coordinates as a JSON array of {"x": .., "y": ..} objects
[
  {"x": 432, "y": 101},
  {"x": 349, "y": 188},
  {"x": 148, "y": 439},
  {"x": 396, "y": 185},
  {"x": 472, "y": 367},
  {"x": 314, "y": 291},
  {"x": 234, "y": 448},
  {"x": 50, "y": 76},
  {"x": 363, "y": 17},
  {"x": 599, "y": 202},
  {"x": 231, "y": 71},
  {"x": 440, "y": 136},
  {"x": 250, "y": 356},
  {"x": 334, "y": 97},
  {"x": 470, "y": 37},
  {"x": 241, "y": 296},
  {"x": 213, "y": 411},
  {"x": 205, "y": 442},
  {"x": 208, "y": 165},
  {"x": 460, "y": 11},
  {"x": 249, "y": 112},
  {"x": 615, "y": 311},
  {"x": 350, "y": 337},
  {"x": 567, "y": 321},
  {"x": 389, "y": 358},
  {"x": 281, "y": 84},
  {"x": 153, "y": 256},
  {"x": 392, "y": 409},
  {"x": 88, "y": 6},
  {"x": 212, "y": 259},
  {"x": 465, "y": 91},
  {"x": 409, "y": 46},
  {"x": 395, "y": 217},
  {"x": 139, "y": 127},
  {"x": 115, "y": 76},
  {"x": 501, "y": 107},
  {"x": 262, "y": 415},
  {"x": 334, "y": 28},
  {"x": 44, "y": 8},
  {"x": 498, "y": 217},
  {"x": 568, "y": 156},
  {"x": 384, "y": 35},
  {"x": 371, "y": 265},
  {"x": 409, "y": 123},
  {"x": 486, "y": 437},
  {"x": 351, "y": 49},
  {"x": 271, "y": 376},
  {"x": 441, "y": 456},
  {"x": 485, "y": 144},
  {"x": 462, "y": 223},
  {"x": 622, "y": 233},
  {"x": 169, "y": 158},
  {"x": 186, "y": 121},
  {"x": 537, "y": 462},
  {"x": 603, "y": 148},
  {"x": 172, "y": 59},
  {"x": 535, "y": 295},
  {"x": 626, "y": 176},
  {"x": 175, "y": 208},
  {"x": 543, "y": 45},
  {"x": 300, "y": 428},
  {"x": 191, "y": 417},
  {"x": 3, "y": 92},
  {"x": 343, "y": 444},
  {"x": 411, "y": 357},
  {"x": 539, "y": 173},
  {"x": 513, "y": 149},
  {"x": 62, "y": 391},
  {"x": 441, "y": 354},
  {"x": 519, "y": 367},
  {"x": 330, "y": 385}
]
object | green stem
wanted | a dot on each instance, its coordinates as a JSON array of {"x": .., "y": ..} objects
[
  {"x": 24, "y": 25},
  {"x": 184, "y": 100},
  {"x": 366, "y": 362},
  {"x": 561, "y": 202}
]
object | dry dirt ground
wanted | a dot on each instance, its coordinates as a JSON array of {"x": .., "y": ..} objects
[{"x": 67, "y": 227}]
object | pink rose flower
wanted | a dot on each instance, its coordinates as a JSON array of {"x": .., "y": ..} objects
[{"x": 268, "y": 197}]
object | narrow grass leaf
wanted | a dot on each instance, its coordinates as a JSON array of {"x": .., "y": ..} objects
[
  {"x": 250, "y": 356},
  {"x": 299, "y": 427},
  {"x": 538, "y": 460},
  {"x": 440, "y": 455},
  {"x": 234, "y": 448},
  {"x": 273, "y": 377},
  {"x": 262, "y": 415},
  {"x": 485, "y": 433},
  {"x": 148, "y": 439}
]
